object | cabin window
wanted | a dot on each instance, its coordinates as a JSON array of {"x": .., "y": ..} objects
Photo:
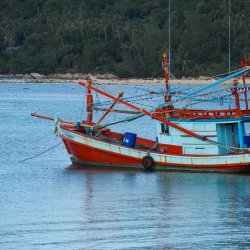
[{"x": 164, "y": 128}]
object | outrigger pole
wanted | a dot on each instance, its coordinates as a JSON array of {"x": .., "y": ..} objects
[
  {"x": 50, "y": 118},
  {"x": 240, "y": 72}
]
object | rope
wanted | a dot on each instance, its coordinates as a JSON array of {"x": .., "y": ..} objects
[
  {"x": 100, "y": 131},
  {"x": 235, "y": 149},
  {"x": 223, "y": 74},
  {"x": 41, "y": 153},
  {"x": 173, "y": 77},
  {"x": 154, "y": 146}
]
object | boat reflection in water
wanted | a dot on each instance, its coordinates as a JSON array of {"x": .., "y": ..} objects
[{"x": 163, "y": 209}]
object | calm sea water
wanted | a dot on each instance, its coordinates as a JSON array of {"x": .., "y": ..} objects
[{"x": 46, "y": 203}]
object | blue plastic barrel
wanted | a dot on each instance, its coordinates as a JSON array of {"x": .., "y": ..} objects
[{"x": 129, "y": 139}]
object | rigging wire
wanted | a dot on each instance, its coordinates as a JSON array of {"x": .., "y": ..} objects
[
  {"x": 132, "y": 99},
  {"x": 229, "y": 36}
]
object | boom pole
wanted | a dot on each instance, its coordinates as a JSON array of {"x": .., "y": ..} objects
[
  {"x": 109, "y": 109},
  {"x": 237, "y": 73}
]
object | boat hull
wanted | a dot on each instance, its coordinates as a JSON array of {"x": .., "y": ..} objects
[{"x": 90, "y": 151}]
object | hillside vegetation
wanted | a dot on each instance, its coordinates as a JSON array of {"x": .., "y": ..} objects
[{"x": 123, "y": 37}]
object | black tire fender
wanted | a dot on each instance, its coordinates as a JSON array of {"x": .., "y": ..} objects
[{"x": 148, "y": 162}]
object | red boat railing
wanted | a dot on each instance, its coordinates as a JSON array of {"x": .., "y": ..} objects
[{"x": 203, "y": 114}]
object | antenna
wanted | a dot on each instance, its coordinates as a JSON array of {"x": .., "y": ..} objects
[
  {"x": 229, "y": 36},
  {"x": 169, "y": 39}
]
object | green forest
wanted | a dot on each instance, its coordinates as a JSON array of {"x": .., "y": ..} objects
[{"x": 122, "y": 37}]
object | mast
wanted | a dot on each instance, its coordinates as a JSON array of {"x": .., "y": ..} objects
[
  {"x": 166, "y": 65},
  {"x": 166, "y": 76},
  {"x": 243, "y": 63},
  {"x": 89, "y": 101},
  {"x": 236, "y": 95}
]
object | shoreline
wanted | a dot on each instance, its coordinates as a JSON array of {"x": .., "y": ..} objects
[
  {"x": 134, "y": 81},
  {"x": 106, "y": 79}
]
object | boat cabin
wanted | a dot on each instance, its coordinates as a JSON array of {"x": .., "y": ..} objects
[{"x": 223, "y": 134}]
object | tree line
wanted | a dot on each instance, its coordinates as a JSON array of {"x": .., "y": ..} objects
[{"x": 123, "y": 37}]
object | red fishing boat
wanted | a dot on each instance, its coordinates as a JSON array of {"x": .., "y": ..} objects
[{"x": 187, "y": 139}]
